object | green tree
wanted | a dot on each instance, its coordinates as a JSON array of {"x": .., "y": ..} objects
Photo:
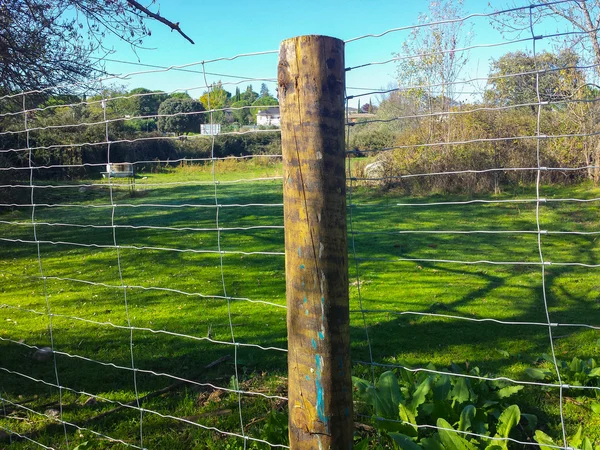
[
  {"x": 241, "y": 113},
  {"x": 249, "y": 95},
  {"x": 557, "y": 81},
  {"x": 216, "y": 98},
  {"x": 145, "y": 102},
  {"x": 181, "y": 115},
  {"x": 184, "y": 95},
  {"x": 264, "y": 90}
]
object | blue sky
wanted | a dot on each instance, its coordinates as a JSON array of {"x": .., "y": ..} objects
[{"x": 225, "y": 29}]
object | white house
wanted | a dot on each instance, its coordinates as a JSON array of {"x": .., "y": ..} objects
[{"x": 269, "y": 116}]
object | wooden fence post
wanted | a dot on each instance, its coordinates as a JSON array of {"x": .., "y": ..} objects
[{"x": 311, "y": 92}]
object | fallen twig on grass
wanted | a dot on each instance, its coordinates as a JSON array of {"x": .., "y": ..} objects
[{"x": 154, "y": 394}]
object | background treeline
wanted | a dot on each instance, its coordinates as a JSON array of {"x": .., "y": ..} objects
[
  {"x": 143, "y": 125},
  {"x": 417, "y": 131},
  {"x": 421, "y": 128}
]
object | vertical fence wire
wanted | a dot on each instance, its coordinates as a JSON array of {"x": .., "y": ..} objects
[
  {"x": 366, "y": 305},
  {"x": 104, "y": 105},
  {"x": 41, "y": 271},
  {"x": 210, "y": 90},
  {"x": 538, "y": 135},
  {"x": 353, "y": 245}
]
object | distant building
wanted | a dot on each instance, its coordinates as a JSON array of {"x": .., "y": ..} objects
[
  {"x": 269, "y": 116},
  {"x": 210, "y": 129}
]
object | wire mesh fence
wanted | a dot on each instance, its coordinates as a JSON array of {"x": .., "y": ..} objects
[{"x": 147, "y": 308}]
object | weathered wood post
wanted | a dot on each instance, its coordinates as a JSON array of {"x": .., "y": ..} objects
[{"x": 311, "y": 92}]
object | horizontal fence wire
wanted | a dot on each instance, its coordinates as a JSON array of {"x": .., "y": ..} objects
[
  {"x": 233, "y": 229},
  {"x": 156, "y": 288},
  {"x": 129, "y": 406},
  {"x": 142, "y": 72},
  {"x": 387, "y": 246},
  {"x": 110, "y": 195}
]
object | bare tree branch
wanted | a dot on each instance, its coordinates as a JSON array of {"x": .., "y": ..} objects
[{"x": 173, "y": 26}]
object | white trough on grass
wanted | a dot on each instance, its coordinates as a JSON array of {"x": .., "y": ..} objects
[{"x": 118, "y": 170}]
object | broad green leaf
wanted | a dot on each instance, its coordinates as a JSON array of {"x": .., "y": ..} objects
[
  {"x": 537, "y": 374},
  {"x": 362, "y": 388},
  {"x": 494, "y": 447},
  {"x": 432, "y": 443},
  {"x": 531, "y": 419},
  {"x": 420, "y": 394},
  {"x": 387, "y": 396},
  {"x": 450, "y": 439},
  {"x": 489, "y": 403},
  {"x": 407, "y": 415},
  {"x": 480, "y": 424},
  {"x": 586, "y": 444},
  {"x": 404, "y": 427},
  {"x": 544, "y": 440},
  {"x": 404, "y": 442},
  {"x": 508, "y": 419},
  {"x": 575, "y": 440},
  {"x": 455, "y": 368},
  {"x": 595, "y": 407},
  {"x": 406, "y": 375},
  {"x": 460, "y": 391},
  {"x": 594, "y": 372},
  {"x": 442, "y": 387},
  {"x": 576, "y": 365},
  {"x": 427, "y": 409},
  {"x": 466, "y": 417},
  {"x": 507, "y": 391},
  {"x": 549, "y": 358}
]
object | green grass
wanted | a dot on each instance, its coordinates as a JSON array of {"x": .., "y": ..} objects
[{"x": 388, "y": 287}]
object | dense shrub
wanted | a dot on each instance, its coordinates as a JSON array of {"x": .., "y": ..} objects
[{"x": 480, "y": 141}]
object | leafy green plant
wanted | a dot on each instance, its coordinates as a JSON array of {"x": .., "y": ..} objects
[
  {"x": 576, "y": 441},
  {"x": 464, "y": 410},
  {"x": 275, "y": 429},
  {"x": 577, "y": 372}
]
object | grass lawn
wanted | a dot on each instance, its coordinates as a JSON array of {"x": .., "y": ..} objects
[{"x": 191, "y": 291}]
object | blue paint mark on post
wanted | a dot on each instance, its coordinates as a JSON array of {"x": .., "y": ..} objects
[
  {"x": 321, "y": 335},
  {"x": 320, "y": 400},
  {"x": 299, "y": 252},
  {"x": 302, "y": 266},
  {"x": 314, "y": 343}
]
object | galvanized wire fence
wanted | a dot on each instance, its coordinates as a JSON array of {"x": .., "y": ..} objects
[
  {"x": 156, "y": 302},
  {"x": 400, "y": 267}
]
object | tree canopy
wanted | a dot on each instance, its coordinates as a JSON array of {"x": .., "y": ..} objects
[
  {"x": 182, "y": 122},
  {"x": 49, "y": 43},
  {"x": 513, "y": 80}
]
